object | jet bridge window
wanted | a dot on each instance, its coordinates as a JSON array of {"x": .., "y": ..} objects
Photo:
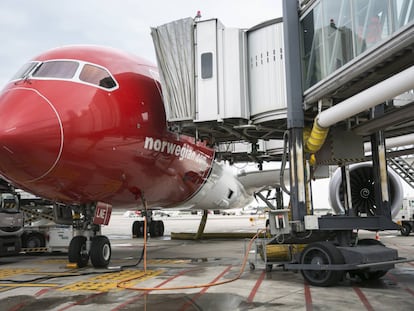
[
  {"x": 97, "y": 75},
  {"x": 206, "y": 65},
  {"x": 62, "y": 69}
]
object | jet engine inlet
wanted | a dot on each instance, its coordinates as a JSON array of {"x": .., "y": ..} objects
[{"x": 363, "y": 190}]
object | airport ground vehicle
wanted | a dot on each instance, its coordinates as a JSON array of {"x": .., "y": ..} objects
[
  {"x": 26, "y": 224},
  {"x": 11, "y": 225},
  {"x": 40, "y": 232},
  {"x": 405, "y": 217}
]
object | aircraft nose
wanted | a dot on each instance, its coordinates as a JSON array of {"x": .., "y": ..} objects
[{"x": 31, "y": 135}]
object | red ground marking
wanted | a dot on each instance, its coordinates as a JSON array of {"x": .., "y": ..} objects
[
  {"x": 21, "y": 305},
  {"x": 308, "y": 297},
  {"x": 395, "y": 280},
  {"x": 256, "y": 287},
  {"x": 142, "y": 295},
  {"x": 200, "y": 293},
  {"x": 363, "y": 298}
]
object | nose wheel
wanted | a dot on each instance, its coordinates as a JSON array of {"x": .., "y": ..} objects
[
  {"x": 78, "y": 252},
  {"x": 99, "y": 251}
]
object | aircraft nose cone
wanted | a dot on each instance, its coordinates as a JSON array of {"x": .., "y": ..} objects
[{"x": 31, "y": 135}]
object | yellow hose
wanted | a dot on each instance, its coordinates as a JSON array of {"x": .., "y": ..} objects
[{"x": 316, "y": 138}]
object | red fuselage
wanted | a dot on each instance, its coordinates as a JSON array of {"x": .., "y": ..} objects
[{"x": 85, "y": 124}]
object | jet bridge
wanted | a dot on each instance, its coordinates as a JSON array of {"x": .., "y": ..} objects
[
  {"x": 224, "y": 85},
  {"x": 312, "y": 90}
]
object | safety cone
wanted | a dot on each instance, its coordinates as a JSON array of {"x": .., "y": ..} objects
[{"x": 377, "y": 237}]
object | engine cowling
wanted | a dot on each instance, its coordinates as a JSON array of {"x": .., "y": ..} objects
[
  {"x": 362, "y": 190},
  {"x": 221, "y": 190}
]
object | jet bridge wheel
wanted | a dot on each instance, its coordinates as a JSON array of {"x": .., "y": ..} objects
[
  {"x": 77, "y": 252},
  {"x": 100, "y": 251},
  {"x": 322, "y": 253}
]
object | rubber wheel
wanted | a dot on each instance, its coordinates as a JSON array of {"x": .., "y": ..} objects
[
  {"x": 138, "y": 229},
  {"x": 159, "y": 228},
  {"x": 405, "y": 229},
  {"x": 77, "y": 252},
  {"x": 322, "y": 253},
  {"x": 156, "y": 228},
  {"x": 33, "y": 240},
  {"x": 100, "y": 251},
  {"x": 152, "y": 230}
]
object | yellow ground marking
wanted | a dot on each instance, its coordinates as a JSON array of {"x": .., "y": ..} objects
[
  {"x": 6, "y": 273},
  {"x": 168, "y": 261},
  {"x": 53, "y": 261},
  {"x": 108, "y": 281},
  {"x": 8, "y": 285}
]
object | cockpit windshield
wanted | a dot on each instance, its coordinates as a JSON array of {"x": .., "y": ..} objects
[
  {"x": 69, "y": 70},
  {"x": 25, "y": 70},
  {"x": 62, "y": 69}
]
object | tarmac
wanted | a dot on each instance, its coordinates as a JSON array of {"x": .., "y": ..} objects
[{"x": 193, "y": 275}]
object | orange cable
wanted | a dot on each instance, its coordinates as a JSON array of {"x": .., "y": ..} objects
[
  {"x": 121, "y": 284},
  {"x": 145, "y": 243}
]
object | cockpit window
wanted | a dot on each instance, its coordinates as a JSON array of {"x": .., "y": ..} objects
[
  {"x": 70, "y": 70},
  {"x": 96, "y": 75},
  {"x": 25, "y": 70},
  {"x": 62, "y": 69}
]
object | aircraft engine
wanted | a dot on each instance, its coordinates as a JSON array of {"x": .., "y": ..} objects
[
  {"x": 221, "y": 190},
  {"x": 362, "y": 190}
]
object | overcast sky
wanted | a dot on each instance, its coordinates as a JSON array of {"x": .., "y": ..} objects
[{"x": 29, "y": 27}]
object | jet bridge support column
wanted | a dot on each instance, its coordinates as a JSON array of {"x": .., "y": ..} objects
[
  {"x": 382, "y": 200},
  {"x": 295, "y": 115}
]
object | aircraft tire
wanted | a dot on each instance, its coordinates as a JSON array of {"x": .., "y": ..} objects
[
  {"x": 157, "y": 228},
  {"x": 153, "y": 229},
  {"x": 100, "y": 251},
  {"x": 77, "y": 252},
  {"x": 323, "y": 253},
  {"x": 138, "y": 229}
]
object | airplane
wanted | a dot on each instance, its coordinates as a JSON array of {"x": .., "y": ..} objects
[{"x": 85, "y": 127}]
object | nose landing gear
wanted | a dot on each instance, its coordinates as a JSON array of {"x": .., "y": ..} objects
[{"x": 88, "y": 243}]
